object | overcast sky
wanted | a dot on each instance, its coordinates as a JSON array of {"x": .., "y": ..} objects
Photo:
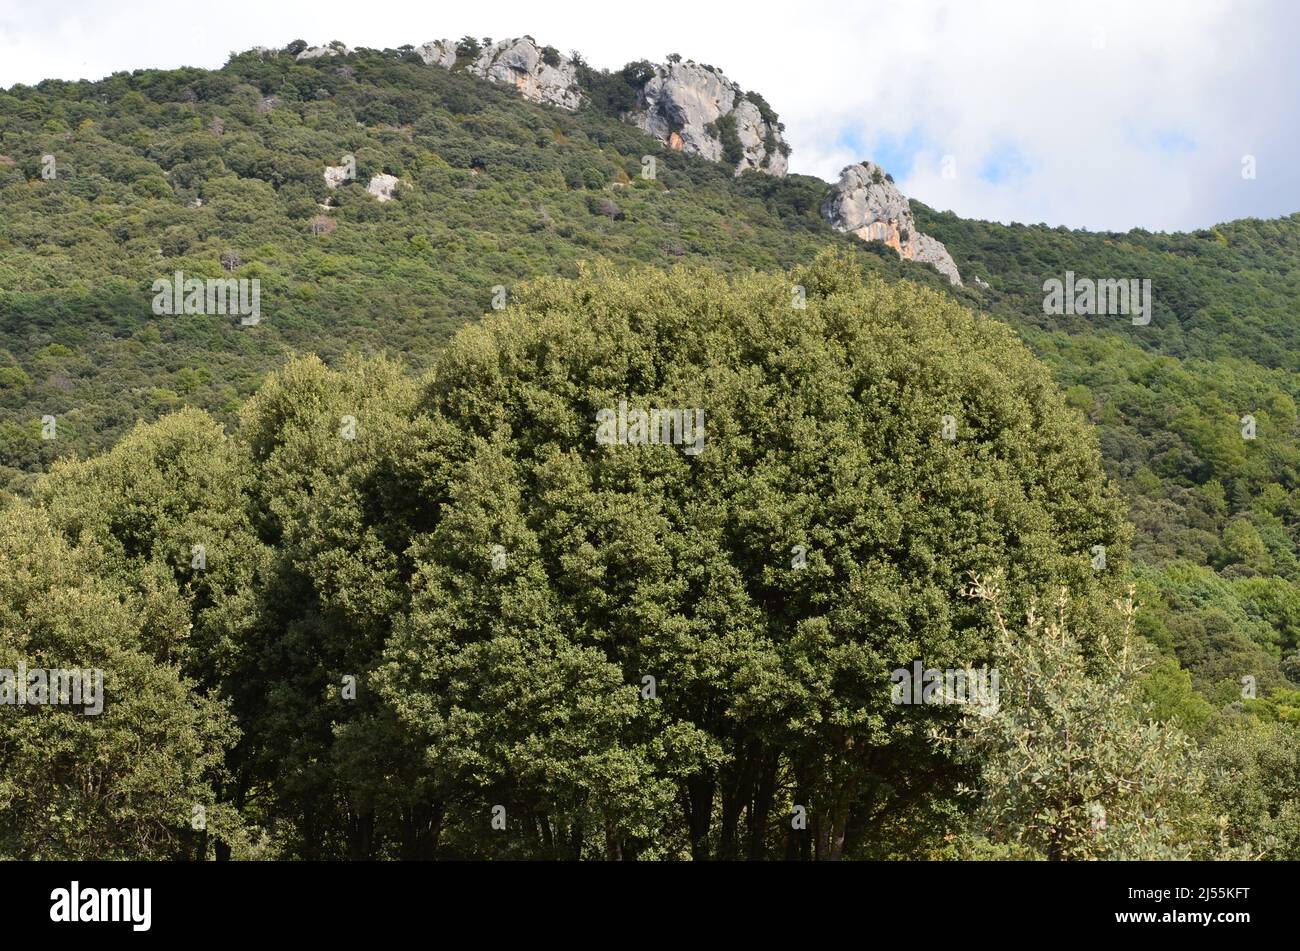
[{"x": 1105, "y": 114}]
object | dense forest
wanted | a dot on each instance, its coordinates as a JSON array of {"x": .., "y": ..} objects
[{"x": 434, "y": 618}]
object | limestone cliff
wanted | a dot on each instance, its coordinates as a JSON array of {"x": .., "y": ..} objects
[
  {"x": 541, "y": 74},
  {"x": 865, "y": 202},
  {"x": 687, "y": 106},
  {"x": 316, "y": 52},
  {"x": 522, "y": 64},
  {"x": 696, "y": 109},
  {"x": 438, "y": 53}
]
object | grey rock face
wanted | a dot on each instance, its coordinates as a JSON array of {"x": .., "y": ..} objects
[
  {"x": 316, "y": 52},
  {"x": 438, "y": 53},
  {"x": 753, "y": 132},
  {"x": 866, "y": 203},
  {"x": 682, "y": 105},
  {"x": 678, "y": 104},
  {"x": 336, "y": 175},
  {"x": 689, "y": 107},
  {"x": 520, "y": 63},
  {"x": 382, "y": 186}
]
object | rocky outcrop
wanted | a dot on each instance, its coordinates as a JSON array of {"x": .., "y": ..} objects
[
  {"x": 760, "y": 138},
  {"x": 316, "y": 52},
  {"x": 438, "y": 53},
  {"x": 541, "y": 74},
  {"x": 382, "y": 186},
  {"x": 687, "y": 106},
  {"x": 336, "y": 175},
  {"x": 695, "y": 108},
  {"x": 865, "y": 202}
]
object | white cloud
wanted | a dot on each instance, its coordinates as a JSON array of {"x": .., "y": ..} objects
[{"x": 1119, "y": 114}]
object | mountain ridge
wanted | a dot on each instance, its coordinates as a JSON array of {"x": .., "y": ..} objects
[{"x": 693, "y": 108}]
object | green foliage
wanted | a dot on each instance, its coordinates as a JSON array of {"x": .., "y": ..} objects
[
  {"x": 1168, "y": 694},
  {"x": 370, "y": 560},
  {"x": 122, "y": 783},
  {"x": 614, "y": 93},
  {"x": 756, "y": 661},
  {"x": 195, "y": 164},
  {"x": 325, "y": 555},
  {"x": 766, "y": 111},
  {"x": 468, "y": 49},
  {"x": 724, "y": 127},
  {"x": 1256, "y": 773},
  {"x": 1069, "y": 767}
]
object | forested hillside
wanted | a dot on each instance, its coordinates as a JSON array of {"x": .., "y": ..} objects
[
  {"x": 1216, "y": 514},
  {"x": 370, "y": 557},
  {"x": 166, "y": 171}
]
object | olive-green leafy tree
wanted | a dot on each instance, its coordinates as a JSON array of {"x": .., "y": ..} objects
[
  {"x": 768, "y": 584},
  {"x": 1070, "y": 766},
  {"x": 127, "y": 781},
  {"x": 452, "y": 621}
]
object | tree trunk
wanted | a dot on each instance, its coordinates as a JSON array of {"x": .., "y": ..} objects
[
  {"x": 699, "y": 814},
  {"x": 613, "y": 844},
  {"x": 761, "y": 808}
]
